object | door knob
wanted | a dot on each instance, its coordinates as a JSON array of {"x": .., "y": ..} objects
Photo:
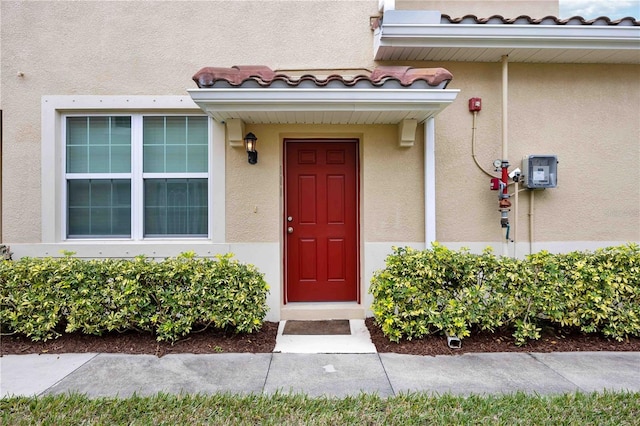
[{"x": 290, "y": 230}]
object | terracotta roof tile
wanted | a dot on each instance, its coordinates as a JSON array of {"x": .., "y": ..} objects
[
  {"x": 408, "y": 75},
  {"x": 235, "y": 75},
  {"x": 263, "y": 76},
  {"x": 528, "y": 20}
]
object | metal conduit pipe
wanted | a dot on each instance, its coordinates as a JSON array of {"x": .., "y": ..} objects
[
  {"x": 505, "y": 113},
  {"x": 473, "y": 145},
  {"x": 515, "y": 220},
  {"x": 531, "y": 233},
  {"x": 504, "y": 201}
]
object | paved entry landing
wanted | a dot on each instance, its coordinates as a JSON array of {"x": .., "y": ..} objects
[{"x": 324, "y": 337}]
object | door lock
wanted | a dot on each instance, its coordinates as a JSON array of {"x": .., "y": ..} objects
[{"x": 289, "y": 219}]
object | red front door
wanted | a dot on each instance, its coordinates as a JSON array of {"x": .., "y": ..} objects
[{"x": 321, "y": 220}]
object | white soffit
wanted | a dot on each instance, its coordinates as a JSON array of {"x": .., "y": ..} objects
[
  {"x": 404, "y": 38},
  {"x": 322, "y": 105}
]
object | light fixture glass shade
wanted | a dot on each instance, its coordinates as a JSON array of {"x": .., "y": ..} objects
[{"x": 250, "y": 142}]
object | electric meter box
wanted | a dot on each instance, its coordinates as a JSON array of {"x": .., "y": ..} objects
[{"x": 540, "y": 171}]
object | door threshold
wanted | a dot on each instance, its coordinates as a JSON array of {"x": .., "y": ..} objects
[{"x": 322, "y": 311}]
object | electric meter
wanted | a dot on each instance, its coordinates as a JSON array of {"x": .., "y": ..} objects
[{"x": 540, "y": 171}]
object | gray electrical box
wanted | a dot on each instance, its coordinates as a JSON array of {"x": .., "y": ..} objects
[{"x": 540, "y": 171}]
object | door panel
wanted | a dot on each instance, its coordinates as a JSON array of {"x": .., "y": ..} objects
[{"x": 322, "y": 236}]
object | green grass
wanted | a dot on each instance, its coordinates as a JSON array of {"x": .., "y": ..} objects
[{"x": 407, "y": 409}]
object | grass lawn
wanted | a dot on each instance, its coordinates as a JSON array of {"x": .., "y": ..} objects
[{"x": 408, "y": 409}]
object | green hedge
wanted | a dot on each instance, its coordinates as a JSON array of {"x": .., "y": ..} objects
[
  {"x": 436, "y": 290},
  {"x": 40, "y": 297}
]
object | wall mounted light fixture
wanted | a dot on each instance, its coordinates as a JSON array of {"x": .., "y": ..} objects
[{"x": 250, "y": 143}]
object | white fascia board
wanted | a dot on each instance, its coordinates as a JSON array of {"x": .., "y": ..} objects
[
  {"x": 509, "y": 36},
  {"x": 215, "y": 101}
]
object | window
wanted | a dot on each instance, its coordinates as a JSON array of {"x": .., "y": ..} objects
[{"x": 136, "y": 176}]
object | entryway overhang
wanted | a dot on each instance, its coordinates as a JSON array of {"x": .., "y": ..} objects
[
  {"x": 387, "y": 95},
  {"x": 321, "y": 105},
  {"x": 429, "y": 36}
]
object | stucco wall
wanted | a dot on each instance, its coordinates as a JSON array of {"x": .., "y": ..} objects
[
  {"x": 147, "y": 47},
  {"x": 586, "y": 114},
  {"x": 391, "y": 182}
]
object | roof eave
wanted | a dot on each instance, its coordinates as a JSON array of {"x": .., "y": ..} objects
[
  {"x": 391, "y": 37},
  {"x": 322, "y": 105}
]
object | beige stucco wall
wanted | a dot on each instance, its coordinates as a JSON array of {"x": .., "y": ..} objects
[
  {"x": 391, "y": 183},
  {"x": 147, "y": 47},
  {"x": 586, "y": 114}
]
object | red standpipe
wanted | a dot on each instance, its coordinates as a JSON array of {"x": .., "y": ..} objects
[
  {"x": 505, "y": 180},
  {"x": 504, "y": 197}
]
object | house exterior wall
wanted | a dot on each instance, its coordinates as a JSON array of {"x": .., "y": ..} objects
[
  {"x": 586, "y": 114},
  {"x": 390, "y": 180},
  {"x": 147, "y": 48}
]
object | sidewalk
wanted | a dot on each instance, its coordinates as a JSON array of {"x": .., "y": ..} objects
[{"x": 316, "y": 374}]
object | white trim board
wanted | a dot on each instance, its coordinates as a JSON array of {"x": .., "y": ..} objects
[{"x": 53, "y": 108}]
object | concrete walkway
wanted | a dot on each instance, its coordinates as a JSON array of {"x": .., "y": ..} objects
[
  {"x": 336, "y": 365},
  {"x": 339, "y": 375}
]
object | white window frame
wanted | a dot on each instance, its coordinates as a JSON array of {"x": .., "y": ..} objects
[{"x": 55, "y": 109}]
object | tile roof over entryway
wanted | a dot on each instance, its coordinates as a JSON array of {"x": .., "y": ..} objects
[
  {"x": 385, "y": 95},
  {"x": 263, "y": 76}
]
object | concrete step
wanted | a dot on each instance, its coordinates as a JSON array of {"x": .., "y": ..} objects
[{"x": 358, "y": 342}]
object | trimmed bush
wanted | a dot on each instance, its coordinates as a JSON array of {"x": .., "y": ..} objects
[
  {"x": 41, "y": 297},
  {"x": 196, "y": 291},
  {"x": 441, "y": 290}
]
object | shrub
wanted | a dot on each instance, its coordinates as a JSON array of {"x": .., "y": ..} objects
[
  {"x": 110, "y": 295},
  {"x": 40, "y": 297},
  {"x": 34, "y": 296},
  {"x": 195, "y": 291},
  {"x": 436, "y": 290}
]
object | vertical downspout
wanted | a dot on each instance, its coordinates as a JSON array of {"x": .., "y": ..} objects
[
  {"x": 429, "y": 182},
  {"x": 218, "y": 175},
  {"x": 1, "y": 200},
  {"x": 505, "y": 140}
]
